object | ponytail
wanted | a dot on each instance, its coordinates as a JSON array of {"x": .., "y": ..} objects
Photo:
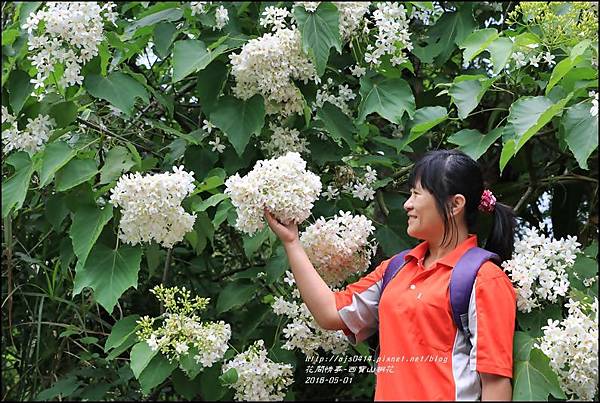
[{"x": 501, "y": 238}]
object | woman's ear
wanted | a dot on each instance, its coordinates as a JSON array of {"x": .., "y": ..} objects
[{"x": 457, "y": 204}]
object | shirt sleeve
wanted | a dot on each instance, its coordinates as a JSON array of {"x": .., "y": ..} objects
[
  {"x": 358, "y": 305},
  {"x": 493, "y": 309}
]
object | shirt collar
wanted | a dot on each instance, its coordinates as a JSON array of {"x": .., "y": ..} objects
[{"x": 450, "y": 260}]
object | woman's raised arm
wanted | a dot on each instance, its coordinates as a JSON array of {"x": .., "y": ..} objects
[{"x": 314, "y": 291}]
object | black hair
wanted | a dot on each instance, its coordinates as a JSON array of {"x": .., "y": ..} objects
[{"x": 445, "y": 173}]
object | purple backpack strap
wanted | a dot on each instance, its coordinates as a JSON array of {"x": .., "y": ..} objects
[
  {"x": 393, "y": 267},
  {"x": 461, "y": 284}
]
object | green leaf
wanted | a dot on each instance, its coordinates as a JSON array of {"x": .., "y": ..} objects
[
  {"x": 63, "y": 113},
  {"x": 153, "y": 254},
  {"x": 449, "y": 29},
  {"x": 390, "y": 242},
  {"x": 125, "y": 346},
  {"x": 190, "y": 56},
  {"x": 509, "y": 145},
  {"x": 19, "y": 88},
  {"x": 529, "y": 114},
  {"x": 157, "y": 370},
  {"x": 118, "y": 88},
  {"x": 585, "y": 267},
  {"x": 276, "y": 265},
  {"x": 14, "y": 189},
  {"x": 25, "y": 8},
  {"x": 211, "y": 182},
  {"x": 55, "y": 156},
  {"x": 477, "y": 42},
  {"x": 210, "y": 202},
  {"x": 337, "y": 124},
  {"x": 533, "y": 321},
  {"x": 210, "y": 84},
  {"x": 64, "y": 387},
  {"x": 88, "y": 340},
  {"x": 235, "y": 294},
  {"x": 473, "y": 143},
  {"x": 565, "y": 65},
  {"x": 164, "y": 33},
  {"x": 56, "y": 210},
  {"x": 581, "y": 132},
  {"x": 522, "y": 345},
  {"x": 187, "y": 388},
  {"x": 229, "y": 377},
  {"x": 109, "y": 273},
  {"x": 171, "y": 14},
  {"x": 87, "y": 224},
  {"x": 427, "y": 118},
  {"x": 121, "y": 331},
  {"x": 189, "y": 365},
  {"x": 500, "y": 50},
  {"x": 249, "y": 119},
  {"x": 320, "y": 32},
  {"x": 118, "y": 160},
  {"x": 390, "y": 98},
  {"x": 466, "y": 93},
  {"x": 140, "y": 356},
  {"x": 398, "y": 143},
  {"x": 534, "y": 379},
  {"x": 76, "y": 171},
  {"x": 222, "y": 212},
  {"x": 210, "y": 383},
  {"x": 254, "y": 242}
]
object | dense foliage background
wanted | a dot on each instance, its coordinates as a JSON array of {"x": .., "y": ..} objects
[{"x": 509, "y": 83}]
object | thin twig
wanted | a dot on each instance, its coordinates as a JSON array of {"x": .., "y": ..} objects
[
  {"x": 110, "y": 133},
  {"x": 60, "y": 325},
  {"x": 523, "y": 199},
  {"x": 381, "y": 203}
]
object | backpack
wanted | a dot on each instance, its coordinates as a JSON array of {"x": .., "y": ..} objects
[{"x": 461, "y": 282}]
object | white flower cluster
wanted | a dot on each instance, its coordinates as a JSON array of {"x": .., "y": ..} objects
[
  {"x": 179, "y": 332},
  {"x": 284, "y": 140},
  {"x": 339, "y": 247},
  {"x": 199, "y": 7},
  {"x": 259, "y": 378},
  {"x": 392, "y": 37},
  {"x": 221, "y": 13},
  {"x": 151, "y": 206},
  {"x": 282, "y": 184},
  {"x": 31, "y": 139},
  {"x": 268, "y": 65},
  {"x": 274, "y": 17},
  {"x": 303, "y": 332},
  {"x": 538, "y": 268},
  {"x": 351, "y": 14},
  {"x": 572, "y": 346},
  {"x": 70, "y": 36},
  {"x": 357, "y": 71},
  {"x": 594, "y": 108},
  {"x": 344, "y": 96},
  {"x": 360, "y": 188},
  {"x": 528, "y": 54},
  {"x": 221, "y": 17},
  {"x": 216, "y": 144},
  {"x": 426, "y": 16},
  {"x": 182, "y": 331}
]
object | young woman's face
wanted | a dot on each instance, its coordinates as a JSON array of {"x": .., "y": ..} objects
[{"x": 424, "y": 220}]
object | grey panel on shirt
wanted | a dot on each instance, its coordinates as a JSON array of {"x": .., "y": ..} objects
[
  {"x": 362, "y": 315},
  {"x": 464, "y": 353}
]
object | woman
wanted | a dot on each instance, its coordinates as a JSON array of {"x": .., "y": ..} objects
[{"x": 423, "y": 355}]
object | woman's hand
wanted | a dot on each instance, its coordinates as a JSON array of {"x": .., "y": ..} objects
[{"x": 288, "y": 233}]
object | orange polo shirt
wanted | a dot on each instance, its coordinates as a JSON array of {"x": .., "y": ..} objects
[{"x": 423, "y": 355}]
